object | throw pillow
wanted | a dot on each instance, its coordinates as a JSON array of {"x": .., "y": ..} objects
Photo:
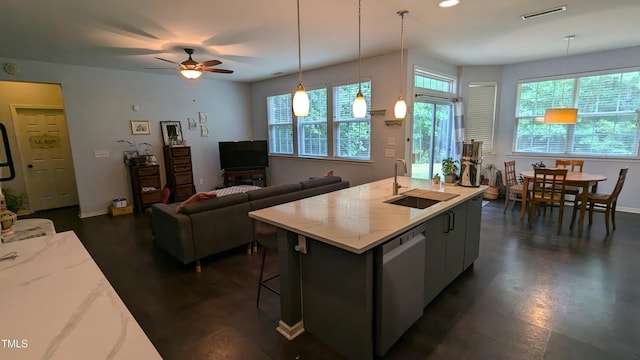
[
  {"x": 329, "y": 173},
  {"x": 196, "y": 197}
]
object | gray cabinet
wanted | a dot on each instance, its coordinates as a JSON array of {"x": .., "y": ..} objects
[
  {"x": 452, "y": 245},
  {"x": 472, "y": 236}
]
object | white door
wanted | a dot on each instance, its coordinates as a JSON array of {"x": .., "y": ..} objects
[{"x": 43, "y": 142}]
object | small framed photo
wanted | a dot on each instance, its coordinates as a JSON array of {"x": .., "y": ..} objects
[
  {"x": 140, "y": 127},
  {"x": 204, "y": 131},
  {"x": 192, "y": 123},
  {"x": 171, "y": 133},
  {"x": 129, "y": 157},
  {"x": 203, "y": 118}
]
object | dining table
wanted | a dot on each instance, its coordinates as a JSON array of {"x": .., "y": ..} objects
[{"x": 588, "y": 182}]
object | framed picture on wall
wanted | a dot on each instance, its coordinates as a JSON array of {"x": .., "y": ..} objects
[
  {"x": 140, "y": 127},
  {"x": 171, "y": 133},
  {"x": 204, "y": 131},
  {"x": 192, "y": 123}
]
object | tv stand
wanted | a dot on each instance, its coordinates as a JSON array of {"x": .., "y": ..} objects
[{"x": 257, "y": 177}]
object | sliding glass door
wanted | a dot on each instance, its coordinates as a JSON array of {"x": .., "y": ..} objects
[{"x": 432, "y": 137}]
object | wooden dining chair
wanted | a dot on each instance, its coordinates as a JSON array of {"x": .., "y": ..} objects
[
  {"x": 571, "y": 165},
  {"x": 548, "y": 189},
  {"x": 514, "y": 188},
  {"x": 603, "y": 203}
]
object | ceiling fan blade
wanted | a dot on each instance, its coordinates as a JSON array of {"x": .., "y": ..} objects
[
  {"x": 210, "y": 63},
  {"x": 154, "y": 68},
  {"x": 169, "y": 61},
  {"x": 221, "y": 71}
]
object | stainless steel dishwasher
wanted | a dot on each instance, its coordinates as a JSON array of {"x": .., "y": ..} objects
[{"x": 399, "y": 287}]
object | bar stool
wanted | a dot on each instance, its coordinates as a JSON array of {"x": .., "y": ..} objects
[{"x": 267, "y": 236}]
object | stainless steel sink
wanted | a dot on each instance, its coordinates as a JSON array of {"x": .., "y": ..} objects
[{"x": 412, "y": 201}]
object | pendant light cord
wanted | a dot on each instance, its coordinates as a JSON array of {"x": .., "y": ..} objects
[
  {"x": 402, "y": 14},
  {"x": 299, "y": 51},
  {"x": 566, "y": 67},
  {"x": 359, "y": 49}
]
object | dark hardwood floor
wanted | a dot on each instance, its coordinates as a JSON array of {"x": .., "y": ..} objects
[{"x": 530, "y": 295}]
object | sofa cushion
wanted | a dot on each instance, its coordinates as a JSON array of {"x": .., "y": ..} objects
[
  {"x": 214, "y": 203},
  {"x": 270, "y": 191},
  {"x": 311, "y": 183}
]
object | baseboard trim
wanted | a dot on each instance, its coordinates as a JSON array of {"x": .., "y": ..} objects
[
  {"x": 290, "y": 332},
  {"x": 93, "y": 213}
]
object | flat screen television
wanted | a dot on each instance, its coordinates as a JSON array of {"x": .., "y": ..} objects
[{"x": 243, "y": 155}]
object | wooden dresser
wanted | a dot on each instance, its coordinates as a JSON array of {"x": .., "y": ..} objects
[
  {"x": 145, "y": 177},
  {"x": 177, "y": 163}
]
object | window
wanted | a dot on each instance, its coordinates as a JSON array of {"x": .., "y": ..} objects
[
  {"x": 352, "y": 136},
  {"x": 608, "y": 110},
  {"x": 481, "y": 110},
  {"x": 312, "y": 129},
  {"x": 280, "y": 120}
]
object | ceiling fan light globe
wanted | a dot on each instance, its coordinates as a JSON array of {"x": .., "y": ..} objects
[
  {"x": 300, "y": 101},
  {"x": 359, "y": 106},
  {"x": 191, "y": 74},
  {"x": 400, "y": 110}
]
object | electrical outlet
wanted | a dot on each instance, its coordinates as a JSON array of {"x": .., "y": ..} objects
[
  {"x": 101, "y": 153},
  {"x": 389, "y": 153},
  {"x": 201, "y": 182}
]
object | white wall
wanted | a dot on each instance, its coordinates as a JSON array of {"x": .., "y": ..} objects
[
  {"x": 508, "y": 77},
  {"x": 98, "y": 105},
  {"x": 383, "y": 71}
]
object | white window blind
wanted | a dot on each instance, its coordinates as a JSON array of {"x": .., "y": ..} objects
[
  {"x": 280, "y": 121},
  {"x": 607, "y": 124},
  {"x": 481, "y": 114},
  {"x": 312, "y": 129},
  {"x": 352, "y": 136}
]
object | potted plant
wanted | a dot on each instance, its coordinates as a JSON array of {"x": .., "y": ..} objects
[
  {"x": 538, "y": 165},
  {"x": 450, "y": 169}
]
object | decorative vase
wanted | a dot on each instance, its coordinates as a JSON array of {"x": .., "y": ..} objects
[{"x": 7, "y": 219}]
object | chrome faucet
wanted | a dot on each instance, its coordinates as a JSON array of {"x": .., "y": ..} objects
[{"x": 396, "y": 186}]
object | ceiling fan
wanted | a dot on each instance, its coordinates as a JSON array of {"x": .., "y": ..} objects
[{"x": 191, "y": 69}]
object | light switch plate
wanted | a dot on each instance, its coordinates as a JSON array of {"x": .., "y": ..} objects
[{"x": 101, "y": 153}]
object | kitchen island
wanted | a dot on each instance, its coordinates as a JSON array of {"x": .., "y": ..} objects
[{"x": 357, "y": 270}]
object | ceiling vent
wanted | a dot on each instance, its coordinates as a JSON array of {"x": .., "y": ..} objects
[{"x": 544, "y": 12}]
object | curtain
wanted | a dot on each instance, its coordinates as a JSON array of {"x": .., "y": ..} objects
[{"x": 458, "y": 129}]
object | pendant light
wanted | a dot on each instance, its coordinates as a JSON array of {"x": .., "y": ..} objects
[
  {"x": 359, "y": 104},
  {"x": 400, "y": 110},
  {"x": 562, "y": 115},
  {"x": 300, "y": 98}
]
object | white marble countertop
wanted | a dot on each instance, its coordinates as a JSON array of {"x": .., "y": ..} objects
[
  {"x": 357, "y": 218},
  {"x": 55, "y": 303}
]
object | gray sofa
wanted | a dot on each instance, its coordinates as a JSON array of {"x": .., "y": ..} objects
[{"x": 211, "y": 226}]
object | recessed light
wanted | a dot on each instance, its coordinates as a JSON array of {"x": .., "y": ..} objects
[{"x": 448, "y": 3}]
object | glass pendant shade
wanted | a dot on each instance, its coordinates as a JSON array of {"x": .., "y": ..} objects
[
  {"x": 400, "y": 110},
  {"x": 191, "y": 74},
  {"x": 300, "y": 101},
  {"x": 448, "y": 3},
  {"x": 359, "y": 106},
  {"x": 561, "y": 116}
]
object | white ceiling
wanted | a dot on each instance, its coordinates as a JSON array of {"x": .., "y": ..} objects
[{"x": 258, "y": 39}]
